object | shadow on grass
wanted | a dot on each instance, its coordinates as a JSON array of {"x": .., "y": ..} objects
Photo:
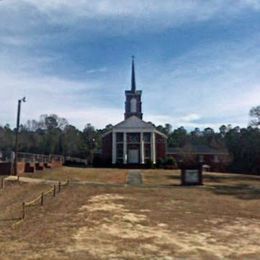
[
  {"x": 173, "y": 177},
  {"x": 9, "y": 219},
  {"x": 240, "y": 191},
  {"x": 232, "y": 177},
  {"x": 216, "y": 178},
  {"x": 206, "y": 178}
]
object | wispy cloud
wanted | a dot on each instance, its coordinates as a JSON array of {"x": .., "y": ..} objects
[
  {"x": 91, "y": 71},
  {"x": 66, "y": 57},
  {"x": 45, "y": 94},
  {"x": 143, "y": 8},
  {"x": 219, "y": 83},
  {"x": 110, "y": 16}
]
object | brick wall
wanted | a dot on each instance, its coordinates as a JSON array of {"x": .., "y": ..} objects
[
  {"x": 208, "y": 159},
  {"x": 20, "y": 167},
  {"x": 5, "y": 168},
  {"x": 161, "y": 143},
  {"x": 56, "y": 164}
]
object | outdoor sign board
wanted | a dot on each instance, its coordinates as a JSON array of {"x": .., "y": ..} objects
[{"x": 191, "y": 176}]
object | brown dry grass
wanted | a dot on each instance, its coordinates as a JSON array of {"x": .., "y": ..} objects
[
  {"x": 161, "y": 177},
  {"x": 14, "y": 194},
  {"x": 216, "y": 221},
  {"x": 99, "y": 175}
]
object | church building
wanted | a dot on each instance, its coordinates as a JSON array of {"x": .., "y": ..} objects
[{"x": 133, "y": 141}]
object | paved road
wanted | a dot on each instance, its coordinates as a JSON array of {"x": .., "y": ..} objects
[{"x": 134, "y": 178}]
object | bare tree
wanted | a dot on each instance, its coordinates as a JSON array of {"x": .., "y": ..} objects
[{"x": 255, "y": 113}]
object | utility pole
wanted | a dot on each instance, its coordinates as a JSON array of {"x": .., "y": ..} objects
[{"x": 16, "y": 133}]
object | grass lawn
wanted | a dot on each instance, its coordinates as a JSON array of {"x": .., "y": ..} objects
[
  {"x": 99, "y": 175},
  {"x": 218, "y": 220}
]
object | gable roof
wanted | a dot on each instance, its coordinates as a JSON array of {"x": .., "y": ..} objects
[
  {"x": 137, "y": 124},
  {"x": 134, "y": 122},
  {"x": 196, "y": 149}
]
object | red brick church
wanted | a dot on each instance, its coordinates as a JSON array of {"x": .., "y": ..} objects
[{"x": 133, "y": 141}]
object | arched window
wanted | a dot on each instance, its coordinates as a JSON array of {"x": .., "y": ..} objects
[{"x": 133, "y": 104}]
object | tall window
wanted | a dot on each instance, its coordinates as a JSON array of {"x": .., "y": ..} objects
[{"x": 133, "y": 103}]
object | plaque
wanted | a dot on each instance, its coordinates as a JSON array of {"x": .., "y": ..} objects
[{"x": 191, "y": 176}]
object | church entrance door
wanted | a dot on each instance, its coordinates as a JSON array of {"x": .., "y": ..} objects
[{"x": 133, "y": 156}]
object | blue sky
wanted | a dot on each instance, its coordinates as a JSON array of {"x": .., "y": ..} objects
[{"x": 197, "y": 61}]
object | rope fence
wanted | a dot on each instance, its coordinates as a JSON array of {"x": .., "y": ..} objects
[
  {"x": 39, "y": 200},
  {"x": 2, "y": 182}
]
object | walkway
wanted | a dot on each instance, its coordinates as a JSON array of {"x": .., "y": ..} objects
[
  {"x": 30, "y": 180},
  {"x": 52, "y": 182},
  {"x": 134, "y": 178}
]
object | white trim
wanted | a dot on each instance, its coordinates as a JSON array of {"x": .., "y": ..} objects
[
  {"x": 133, "y": 130},
  {"x": 125, "y": 148},
  {"x": 160, "y": 133},
  {"x": 113, "y": 147},
  {"x": 106, "y": 133},
  {"x": 142, "y": 147},
  {"x": 153, "y": 148}
]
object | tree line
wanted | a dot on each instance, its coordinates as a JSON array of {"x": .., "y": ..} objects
[{"x": 52, "y": 134}]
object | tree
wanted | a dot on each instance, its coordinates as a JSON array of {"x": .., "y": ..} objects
[
  {"x": 223, "y": 130},
  {"x": 52, "y": 121},
  {"x": 255, "y": 113},
  {"x": 72, "y": 142},
  {"x": 91, "y": 137},
  {"x": 168, "y": 128},
  {"x": 178, "y": 137}
]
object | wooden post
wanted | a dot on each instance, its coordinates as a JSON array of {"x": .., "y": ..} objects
[
  {"x": 2, "y": 183},
  {"x": 23, "y": 210},
  {"x": 42, "y": 199},
  {"x": 59, "y": 187},
  {"x": 54, "y": 190}
]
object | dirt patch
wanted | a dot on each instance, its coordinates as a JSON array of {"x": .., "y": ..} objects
[{"x": 100, "y": 238}]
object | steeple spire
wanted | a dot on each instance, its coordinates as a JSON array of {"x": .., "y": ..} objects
[
  {"x": 133, "y": 103},
  {"x": 133, "y": 86}
]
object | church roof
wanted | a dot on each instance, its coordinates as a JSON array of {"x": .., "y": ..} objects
[
  {"x": 135, "y": 123},
  {"x": 196, "y": 149}
]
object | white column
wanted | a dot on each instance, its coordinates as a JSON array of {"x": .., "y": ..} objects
[
  {"x": 125, "y": 149},
  {"x": 142, "y": 147},
  {"x": 153, "y": 148},
  {"x": 113, "y": 147}
]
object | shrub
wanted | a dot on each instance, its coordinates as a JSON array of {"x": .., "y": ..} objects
[
  {"x": 170, "y": 161},
  {"x": 149, "y": 164}
]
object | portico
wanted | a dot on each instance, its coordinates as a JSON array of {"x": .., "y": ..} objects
[{"x": 132, "y": 146}]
